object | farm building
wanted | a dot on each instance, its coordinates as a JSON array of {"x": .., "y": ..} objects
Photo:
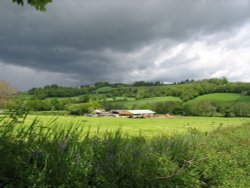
[
  {"x": 133, "y": 113},
  {"x": 102, "y": 113},
  {"x": 106, "y": 114},
  {"x": 122, "y": 113},
  {"x": 141, "y": 113},
  {"x": 125, "y": 113}
]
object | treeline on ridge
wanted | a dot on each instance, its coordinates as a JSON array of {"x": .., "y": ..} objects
[
  {"x": 85, "y": 99},
  {"x": 186, "y": 90}
]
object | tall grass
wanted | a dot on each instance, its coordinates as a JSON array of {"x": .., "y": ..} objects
[{"x": 46, "y": 156}]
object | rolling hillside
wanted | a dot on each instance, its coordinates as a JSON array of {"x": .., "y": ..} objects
[
  {"x": 131, "y": 104},
  {"x": 221, "y": 98}
]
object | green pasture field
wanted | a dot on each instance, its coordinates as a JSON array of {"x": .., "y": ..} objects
[
  {"x": 92, "y": 96},
  {"x": 222, "y": 98},
  {"x": 65, "y": 98},
  {"x": 103, "y": 90},
  {"x": 145, "y": 127},
  {"x": 130, "y": 104},
  {"x": 120, "y": 99}
]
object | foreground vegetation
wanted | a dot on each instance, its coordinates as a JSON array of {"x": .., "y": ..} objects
[{"x": 38, "y": 155}]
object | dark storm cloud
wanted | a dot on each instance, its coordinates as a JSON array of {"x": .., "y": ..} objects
[{"x": 113, "y": 40}]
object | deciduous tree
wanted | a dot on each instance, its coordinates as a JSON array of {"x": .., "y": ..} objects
[{"x": 6, "y": 91}]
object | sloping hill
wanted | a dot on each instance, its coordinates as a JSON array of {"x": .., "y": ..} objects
[
  {"x": 131, "y": 104},
  {"x": 221, "y": 98}
]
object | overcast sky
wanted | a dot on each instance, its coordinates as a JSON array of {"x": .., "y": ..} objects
[{"x": 78, "y": 42}]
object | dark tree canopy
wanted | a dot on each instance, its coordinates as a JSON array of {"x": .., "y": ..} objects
[{"x": 38, "y": 4}]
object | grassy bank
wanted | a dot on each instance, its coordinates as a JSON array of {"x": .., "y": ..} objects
[{"x": 45, "y": 156}]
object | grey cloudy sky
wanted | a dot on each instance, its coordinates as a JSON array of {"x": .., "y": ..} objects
[{"x": 84, "y": 41}]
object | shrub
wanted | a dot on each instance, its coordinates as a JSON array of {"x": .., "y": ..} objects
[{"x": 81, "y": 109}]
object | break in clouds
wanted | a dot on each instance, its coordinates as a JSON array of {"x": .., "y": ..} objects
[{"x": 84, "y": 41}]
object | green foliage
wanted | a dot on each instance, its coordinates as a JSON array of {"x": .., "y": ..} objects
[
  {"x": 56, "y": 91},
  {"x": 111, "y": 106},
  {"x": 103, "y": 90},
  {"x": 44, "y": 105},
  {"x": 39, "y": 156},
  {"x": 84, "y": 108},
  {"x": 38, "y": 4},
  {"x": 209, "y": 97},
  {"x": 147, "y": 102},
  {"x": 186, "y": 90},
  {"x": 202, "y": 108},
  {"x": 241, "y": 109},
  {"x": 220, "y": 98},
  {"x": 83, "y": 99},
  {"x": 227, "y": 104},
  {"x": 143, "y": 83},
  {"x": 168, "y": 107}
]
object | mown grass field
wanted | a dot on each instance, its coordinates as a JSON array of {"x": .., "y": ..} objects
[{"x": 146, "y": 127}]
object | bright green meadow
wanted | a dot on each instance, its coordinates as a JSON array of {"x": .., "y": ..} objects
[{"x": 146, "y": 127}]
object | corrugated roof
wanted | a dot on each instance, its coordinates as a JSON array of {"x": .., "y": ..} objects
[
  {"x": 141, "y": 112},
  {"x": 121, "y": 112}
]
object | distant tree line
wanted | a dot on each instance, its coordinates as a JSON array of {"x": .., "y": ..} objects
[
  {"x": 57, "y": 91},
  {"x": 101, "y": 91},
  {"x": 140, "y": 90}
]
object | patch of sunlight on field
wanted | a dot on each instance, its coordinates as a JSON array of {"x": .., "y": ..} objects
[
  {"x": 131, "y": 103},
  {"x": 221, "y": 98},
  {"x": 146, "y": 127}
]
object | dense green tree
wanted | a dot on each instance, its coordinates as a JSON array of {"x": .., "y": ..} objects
[
  {"x": 201, "y": 108},
  {"x": 84, "y": 108},
  {"x": 57, "y": 91},
  {"x": 56, "y": 104},
  {"x": 111, "y": 105},
  {"x": 241, "y": 109},
  {"x": 168, "y": 107},
  {"x": 83, "y": 99},
  {"x": 6, "y": 91},
  {"x": 141, "y": 94}
]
